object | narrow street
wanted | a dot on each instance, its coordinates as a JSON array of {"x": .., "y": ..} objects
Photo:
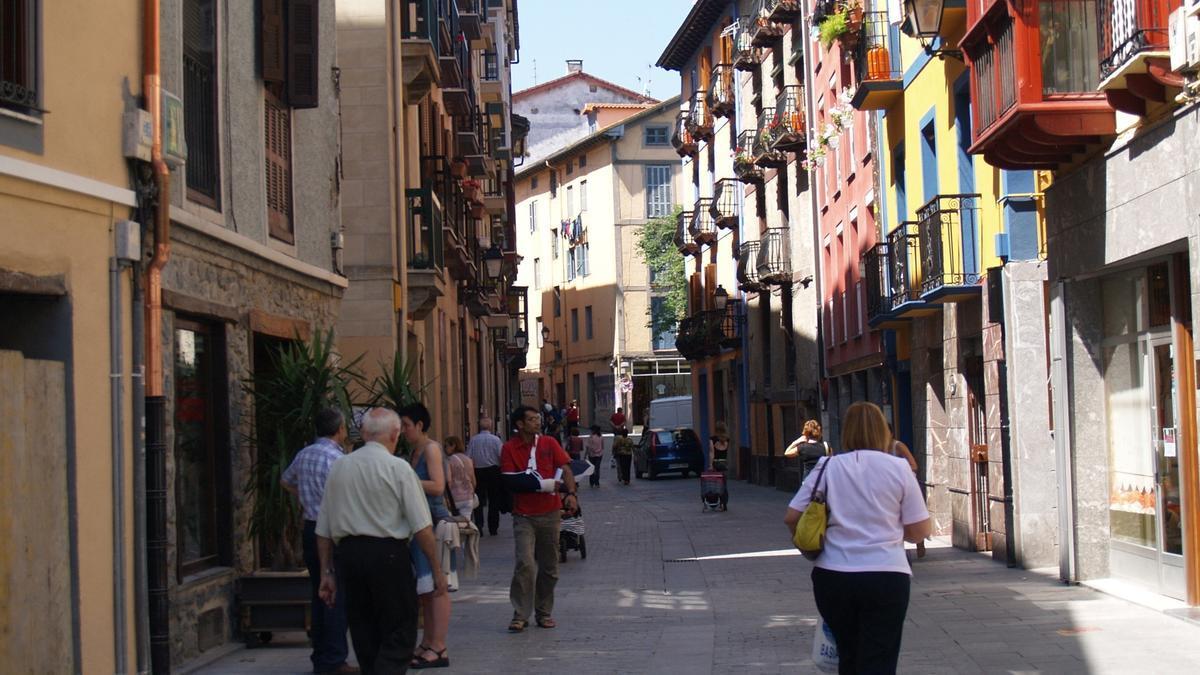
[{"x": 668, "y": 588}]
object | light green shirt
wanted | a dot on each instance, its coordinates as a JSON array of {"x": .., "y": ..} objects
[{"x": 372, "y": 493}]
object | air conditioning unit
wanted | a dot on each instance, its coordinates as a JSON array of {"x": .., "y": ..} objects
[{"x": 1184, "y": 38}]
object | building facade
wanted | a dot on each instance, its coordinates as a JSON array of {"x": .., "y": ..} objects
[
  {"x": 427, "y": 167},
  {"x": 579, "y": 208},
  {"x": 748, "y": 228}
]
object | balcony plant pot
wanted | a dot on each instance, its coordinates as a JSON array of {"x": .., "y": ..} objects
[
  {"x": 458, "y": 168},
  {"x": 878, "y": 63}
]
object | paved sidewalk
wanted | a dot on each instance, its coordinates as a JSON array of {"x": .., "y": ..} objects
[{"x": 669, "y": 589}]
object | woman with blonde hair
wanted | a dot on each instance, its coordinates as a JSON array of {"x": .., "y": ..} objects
[
  {"x": 861, "y": 579},
  {"x": 718, "y": 447}
]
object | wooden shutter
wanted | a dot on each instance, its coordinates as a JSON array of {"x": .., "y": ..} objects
[
  {"x": 271, "y": 40},
  {"x": 710, "y": 284},
  {"x": 696, "y": 293},
  {"x": 705, "y": 68},
  {"x": 278, "y": 130},
  {"x": 303, "y": 27}
]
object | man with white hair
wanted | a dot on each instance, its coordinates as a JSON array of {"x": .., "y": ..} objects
[
  {"x": 373, "y": 505},
  {"x": 484, "y": 451}
]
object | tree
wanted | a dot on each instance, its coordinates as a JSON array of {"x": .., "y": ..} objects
[{"x": 656, "y": 244}]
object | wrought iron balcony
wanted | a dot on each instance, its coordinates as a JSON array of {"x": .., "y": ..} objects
[
  {"x": 701, "y": 227},
  {"x": 489, "y": 67},
  {"x": 949, "y": 230},
  {"x": 471, "y": 18},
  {"x": 789, "y": 132},
  {"x": 683, "y": 242},
  {"x": 682, "y": 140},
  {"x": 1034, "y": 72},
  {"x": 1135, "y": 59},
  {"x": 726, "y": 207},
  {"x": 720, "y": 91},
  {"x": 700, "y": 119},
  {"x": 875, "y": 267},
  {"x": 425, "y": 230},
  {"x": 774, "y": 257},
  {"x": 880, "y": 82},
  {"x": 904, "y": 278},
  {"x": 467, "y": 134},
  {"x": 420, "y": 37},
  {"x": 763, "y": 152},
  {"x": 763, "y": 31},
  {"x": 743, "y": 158},
  {"x": 782, "y": 11},
  {"x": 747, "y": 266},
  {"x": 706, "y": 333},
  {"x": 746, "y": 56}
]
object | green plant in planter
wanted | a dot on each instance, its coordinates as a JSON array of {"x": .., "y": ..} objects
[
  {"x": 302, "y": 378},
  {"x": 834, "y": 26},
  {"x": 394, "y": 388}
]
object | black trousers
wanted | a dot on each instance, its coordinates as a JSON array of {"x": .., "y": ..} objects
[
  {"x": 623, "y": 462},
  {"x": 328, "y": 623},
  {"x": 488, "y": 488},
  {"x": 381, "y": 601},
  {"x": 865, "y": 611}
]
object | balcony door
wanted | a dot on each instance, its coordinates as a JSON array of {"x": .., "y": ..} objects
[{"x": 1144, "y": 439}]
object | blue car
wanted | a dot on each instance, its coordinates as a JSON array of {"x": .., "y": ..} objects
[{"x": 662, "y": 451}]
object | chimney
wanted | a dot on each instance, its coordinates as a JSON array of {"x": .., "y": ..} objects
[{"x": 574, "y": 66}]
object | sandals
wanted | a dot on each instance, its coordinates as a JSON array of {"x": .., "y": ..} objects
[
  {"x": 517, "y": 625},
  {"x": 546, "y": 622},
  {"x": 419, "y": 661}
]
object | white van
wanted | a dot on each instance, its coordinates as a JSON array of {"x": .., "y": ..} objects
[{"x": 672, "y": 412}]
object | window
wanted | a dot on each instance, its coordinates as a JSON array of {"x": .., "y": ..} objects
[
  {"x": 861, "y": 309},
  {"x": 575, "y": 387},
  {"x": 657, "y": 135},
  {"x": 198, "y": 453},
  {"x": 571, "y": 269},
  {"x": 553, "y": 183},
  {"x": 533, "y": 183},
  {"x": 583, "y": 195},
  {"x": 554, "y": 243},
  {"x": 658, "y": 191},
  {"x": 666, "y": 339},
  {"x": 537, "y": 273},
  {"x": 19, "y": 54},
  {"x": 533, "y": 216},
  {"x": 570, "y": 201},
  {"x": 845, "y": 317},
  {"x": 1069, "y": 46},
  {"x": 574, "y": 324},
  {"x": 570, "y": 167},
  {"x": 557, "y": 302},
  {"x": 587, "y": 322},
  {"x": 582, "y": 161},
  {"x": 581, "y": 259},
  {"x": 278, "y": 143},
  {"x": 200, "y": 101}
]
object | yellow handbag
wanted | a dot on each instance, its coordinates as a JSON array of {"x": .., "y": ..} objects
[{"x": 809, "y": 537}]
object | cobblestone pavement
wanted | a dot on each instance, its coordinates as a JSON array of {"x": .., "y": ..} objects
[{"x": 667, "y": 588}]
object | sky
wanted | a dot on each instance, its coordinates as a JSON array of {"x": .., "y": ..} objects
[{"x": 618, "y": 40}]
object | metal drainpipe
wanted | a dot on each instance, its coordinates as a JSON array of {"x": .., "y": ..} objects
[
  {"x": 1010, "y": 551},
  {"x": 399, "y": 179},
  {"x": 138, "y": 365},
  {"x": 117, "y": 421}
]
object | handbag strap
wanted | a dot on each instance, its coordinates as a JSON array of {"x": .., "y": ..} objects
[{"x": 817, "y": 487}]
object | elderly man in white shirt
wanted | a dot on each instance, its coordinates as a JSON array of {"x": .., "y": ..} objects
[{"x": 373, "y": 505}]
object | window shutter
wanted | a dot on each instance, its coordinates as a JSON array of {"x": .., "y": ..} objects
[
  {"x": 303, "y": 29},
  {"x": 278, "y": 130},
  {"x": 271, "y": 40}
]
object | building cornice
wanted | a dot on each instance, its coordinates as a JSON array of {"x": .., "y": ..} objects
[{"x": 691, "y": 33}]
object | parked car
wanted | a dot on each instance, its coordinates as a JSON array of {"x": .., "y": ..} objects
[
  {"x": 662, "y": 451},
  {"x": 671, "y": 412}
]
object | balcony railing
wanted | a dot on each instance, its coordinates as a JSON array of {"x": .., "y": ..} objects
[
  {"x": 949, "y": 229},
  {"x": 720, "y": 91},
  {"x": 774, "y": 257},
  {"x": 419, "y": 20},
  {"x": 700, "y": 121},
  {"x": 701, "y": 227},
  {"x": 903, "y": 273},
  {"x": 684, "y": 243},
  {"x": 706, "y": 333},
  {"x": 746, "y": 56},
  {"x": 425, "y": 230},
  {"x": 467, "y": 134},
  {"x": 1129, "y": 28},
  {"x": 764, "y": 154},
  {"x": 489, "y": 67},
  {"x": 763, "y": 31},
  {"x": 471, "y": 18},
  {"x": 744, "y": 166},
  {"x": 879, "y": 80},
  {"x": 747, "y": 266},
  {"x": 789, "y": 129},
  {"x": 782, "y": 11},
  {"x": 726, "y": 207},
  {"x": 875, "y": 267},
  {"x": 682, "y": 140}
]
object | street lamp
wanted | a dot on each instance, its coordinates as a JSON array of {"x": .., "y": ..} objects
[
  {"x": 925, "y": 20},
  {"x": 546, "y": 336},
  {"x": 493, "y": 260},
  {"x": 720, "y": 298},
  {"x": 520, "y": 339}
]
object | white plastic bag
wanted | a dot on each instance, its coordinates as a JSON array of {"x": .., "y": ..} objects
[{"x": 824, "y": 649}]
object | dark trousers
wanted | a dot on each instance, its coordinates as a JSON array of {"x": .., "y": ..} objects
[
  {"x": 865, "y": 611},
  {"x": 594, "y": 479},
  {"x": 328, "y": 623},
  {"x": 488, "y": 487},
  {"x": 623, "y": 462},
  {"x": 381, "y": 601}
]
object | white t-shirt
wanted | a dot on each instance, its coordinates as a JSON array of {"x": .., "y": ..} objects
[{"x": 871, "y": 496}]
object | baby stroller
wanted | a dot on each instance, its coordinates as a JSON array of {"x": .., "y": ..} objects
[
  {"x": 570, "y": 534},
  {"x": 713, "y": 492}
]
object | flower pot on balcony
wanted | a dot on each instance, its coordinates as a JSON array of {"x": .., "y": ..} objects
[{"x": 458, "y": 168}]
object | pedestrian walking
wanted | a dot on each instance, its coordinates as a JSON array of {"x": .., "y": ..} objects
[
  {"x": 429, "y": 464},
  {"x": 536, "y": 520},
  {"x": 372, "y": 507},
  {"x": 305, "y": 478},
  {"x": 575, "y": 443},
  {"x": 572, "y": 416},
  {"x": 899, "y": 449},
  {"x": 809, "y": 447},
  {"x": 460, "y": 477},
  {"x": 623, "y": 452},
  {"x": 593, "y": 446},
  {"x": 617, "y": 420},
  {"x": 861, "y": 578},
  {"x": 718, "y": 447},
  {"x": 484, "y": 451}
]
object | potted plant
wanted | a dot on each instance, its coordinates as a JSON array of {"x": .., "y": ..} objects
[{"x": 833, "y": 27}]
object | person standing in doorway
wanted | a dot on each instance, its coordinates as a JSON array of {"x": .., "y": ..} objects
[
  {"x": 593, "y": 447},
  {"x": 484, "y": 451},
  {"x": 305, "y": 478},
  {"x": 536, "y": 520},
  {"x": 372, "y": 506}
]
